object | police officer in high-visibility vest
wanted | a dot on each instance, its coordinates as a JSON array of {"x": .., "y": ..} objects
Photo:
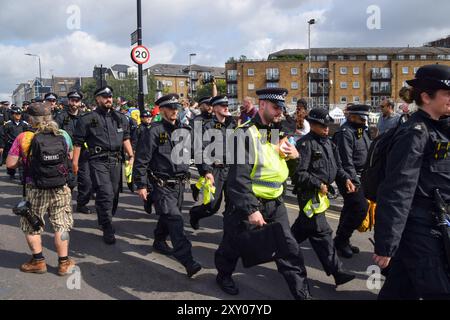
[
  {"x": 255, "y": 188},
  {"x": 319, "y": 167}
]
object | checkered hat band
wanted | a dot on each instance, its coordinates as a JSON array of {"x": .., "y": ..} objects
[
  {"x": 446, "y": 82},
  {"x": 271, "y": 96},
  {"x": 221, "y": 101}
]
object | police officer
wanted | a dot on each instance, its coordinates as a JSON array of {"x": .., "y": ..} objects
[
  {"x": 255, "y": 191},
  {"x": 206, "y": 114},
  {"x": 5, "y": 111},
  {"x": 146, "y": 123},
  {"x": 25, "y": 115},
  {"x": 11, "y": 130},
  {"x": 319, "y": 167},
  {"x": 51, "y": 100},
  {"x": 215, "y": 169},
  {"x": 154, "y": 161},
  {"x": 407, "y": 238},
  {"x": 106, "y": 132},
  {"x": 67, "y": 120},
  {"x": 353, "y": 143}
]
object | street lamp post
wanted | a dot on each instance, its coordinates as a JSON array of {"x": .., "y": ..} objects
[
  {"x": 40, "y": 71},
  {"x": 190, "y": 71},
  {"x": 310, "y": 22}
]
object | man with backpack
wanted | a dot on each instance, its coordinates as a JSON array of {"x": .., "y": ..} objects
[
  {"x": 353, "y": 143},
  {"x": 45, "y": 155},
  {"x": 412, "y": 229}
]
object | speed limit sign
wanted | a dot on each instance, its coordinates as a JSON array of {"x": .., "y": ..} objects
[{"x": 140, "y": 55}]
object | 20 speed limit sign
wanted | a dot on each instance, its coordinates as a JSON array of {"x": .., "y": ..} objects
[{"x": 140, "y": 55}]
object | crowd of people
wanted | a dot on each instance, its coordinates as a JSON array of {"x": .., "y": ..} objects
[{"x": 56, "y": 151}]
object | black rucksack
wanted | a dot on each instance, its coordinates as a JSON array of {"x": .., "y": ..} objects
[
  {"x": 375, "y": 167},
  {"x": 49, "y": 165}
]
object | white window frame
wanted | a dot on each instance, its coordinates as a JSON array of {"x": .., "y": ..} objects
[
  {"x": 356, "y": 70},
  {"x": 343, "y": 85},
  {"x": 343, "y": 99},
  {"x": 405, "y": 70},
  {"x": 250, "y": 86},
  {"x": 251, "y": 72},
  {"x": 356, "y": 85},
  {"x": 294, "y": 71},
  {"x": 341, "y": 70},
  {"x": 356, "y": 99},
  {"x": 294, "y": 85}
]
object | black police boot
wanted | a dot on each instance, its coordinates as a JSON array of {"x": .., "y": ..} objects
[
  {"x": 342, "y": 277},
  {"x": 83, "y": 209},
  {"x": 162, "y": 247},
  {"x": 195, "y": 192},
  {"x": 194, "y": 221},
  {"x": 227, "y": 284},
  {"x": 192, "y": 268},
  {"x": 343, "y": 248},
  {"x": 108, "y": 234}
]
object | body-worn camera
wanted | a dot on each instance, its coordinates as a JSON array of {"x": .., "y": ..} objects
[{"x": 22, "y": 209}]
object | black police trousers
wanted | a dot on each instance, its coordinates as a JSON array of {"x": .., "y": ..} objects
[
  {"x": 84, "y": 179},
  {"x": 168, "y": 202},
  {"x": 419, "y": 269},
  {"x": 292, "y": 267},
  {"x": 220, "y": 182},
  {"x": 353, "y": 214},
  {"x": 105, "y": 173},
  {"x": 317, "y": 230}
]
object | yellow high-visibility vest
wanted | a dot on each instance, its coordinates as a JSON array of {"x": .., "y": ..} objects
[{"x": 313, "y": 207}]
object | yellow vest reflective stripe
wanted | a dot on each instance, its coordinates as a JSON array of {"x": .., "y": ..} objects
[
  {"x": 313, "y": 207},
  {"x": 269, "y": 171}
]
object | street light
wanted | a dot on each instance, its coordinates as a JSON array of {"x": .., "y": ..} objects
[
  {"x": 40, "y": 72},
  {"x": 310, "y": 22},
  {"x": 190, "y": 71}
]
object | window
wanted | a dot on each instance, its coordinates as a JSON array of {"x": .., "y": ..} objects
[
  {"x": 323, "y": 71},
  {"x": 371, "y": 57},
  {"x": 448, "y": 57},
  {"x": 272, "y": 85},
  {"x": 405, "y": 70},
  {"x": 181, "y": 83},
  {"x": 400, "y": 57},
  {"x": 415, "y": 70},
  {"x": 272, "y": 74},
  {"x": 294, "y": 71},
  {"x": 375, "y": 86},
  {"x": 356, "y": 70},
  {"x": 385, "y": 87},
  {"x": 441, "y": 56},
  {"x": 322, "y": 58},
  {"x": 352, "y": 58},
  {"x": 294, "y": 85},
  {"x": 343, "y": 99},
  {"x": 423, "y": 57},
  {"x": 251, "y": 86},
  {"x": 294, "y": 100},
  {"x": 382, "y": 57},
  {"x": 232, "y": 75},
  {"x": 356, "y": 85},
  {"x": 62, "y": 88},
  {"x": 385, "y": 73},
  {"x": 344, "y": 85},
  {"x": 343, "y": 70},
  {"x": 341, "y": 58},
  {"x": 194, "y": 74},
  {"x": 232, "y": 90},
  {"x": 122, "y": 75},
  {"x": 251, "y": 72},
  {"x": 356, "y": 99},
  {"x": 412, "y": 57},
  {"x": 167, "y": 83}
]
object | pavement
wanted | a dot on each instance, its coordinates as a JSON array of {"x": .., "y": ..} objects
[{"x": 130, "y": 270}]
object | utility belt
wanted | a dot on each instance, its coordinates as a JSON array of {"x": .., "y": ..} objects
[
  {"x": 163, "y": 180},
  {"x": 99, "y": 152}
]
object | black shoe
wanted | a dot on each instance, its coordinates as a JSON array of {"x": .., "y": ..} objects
[
  {"x": 83, "y": 209},
  {"x": 194, "y": 222},
  {"x": 227, "y": 284},
  {"x": 162, "y": 247},
  {"x": 108, "y": 234},
  {"x": 342, "y": 277},
  {"x": 343, "y": 250},
  {"x": 195, "y": 192},
  {"x": 354, "y": 249},
  {"x": 192, "y": 268}
]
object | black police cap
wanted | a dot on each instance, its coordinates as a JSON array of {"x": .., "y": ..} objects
[
  {"x": 75, "y": 95},
  {"x": 169, "y": 101},
  {"x": 106, "y": 91},
  {"x": 51, "y": 96},
  {"x": 433, "y": 76},
  {"x": 275, "y": 95},
  {"x": 146, "y": 114},
  {"x": 321, "y": 116},
  {"x": 206, "y": 100},
  {"x": 26, "y": 103},
  {"x": 16, "y": 110},
  {"x": 359, "y": 109},
  {"x": 219, "y": 101}
]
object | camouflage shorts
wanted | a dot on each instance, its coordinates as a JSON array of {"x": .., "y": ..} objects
[{"x": 56, "y": 202}]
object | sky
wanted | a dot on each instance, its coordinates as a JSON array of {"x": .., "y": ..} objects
[{"x": 71, "y": 36}]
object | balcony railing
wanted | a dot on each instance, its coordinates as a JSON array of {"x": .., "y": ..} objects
[
  {"x": 381, "y": 75},
  {"x": 272, "y": 77},
  {"x": 319, "y": 76}
]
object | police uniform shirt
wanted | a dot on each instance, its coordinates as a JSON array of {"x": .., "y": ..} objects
[
  {"x": 102, "y": 130},
  {"x": 12, "y": 129},
  {"x": 418, "y": 163},
  {"x": 320, "y": 163},
  {"x": 154, "y": 151},
  {"x": 214, "y": 124},
  {"x": 353, "y": 143},
  {"x": 68, "y": 122}
]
